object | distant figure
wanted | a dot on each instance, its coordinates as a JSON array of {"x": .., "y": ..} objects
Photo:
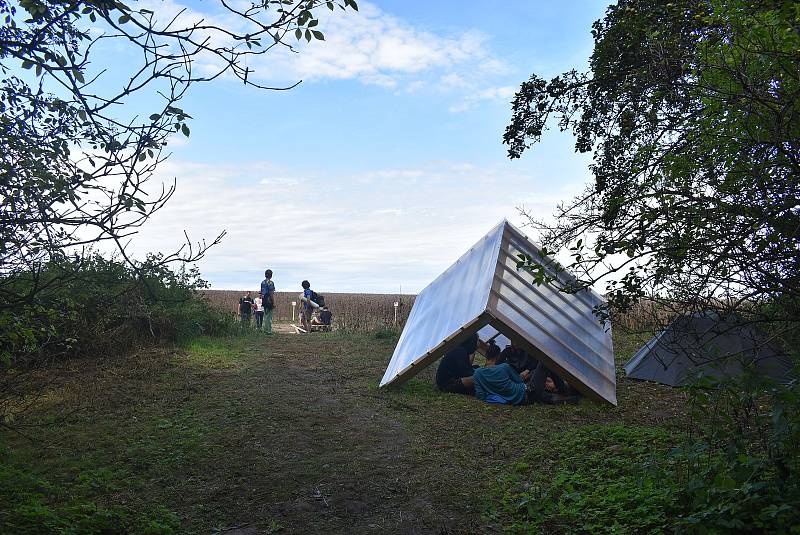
[
  {"x": 268, "y": 300},
  {"x": 245, "y": 309},
  {"x": 307, "y": 310},
  {"x": 259, "y": 311},
  {"x": 455, "y": 370},
  {"x": 325, "y": 316},
  {"x": 321, "y": 321}
]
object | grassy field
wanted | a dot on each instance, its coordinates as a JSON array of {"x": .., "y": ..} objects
[{"x": 290, "y": 434}]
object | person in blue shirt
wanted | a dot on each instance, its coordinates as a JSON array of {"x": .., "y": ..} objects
[
  {"x": 307, "y": 310},
  {"x": 498, "y": 382}
]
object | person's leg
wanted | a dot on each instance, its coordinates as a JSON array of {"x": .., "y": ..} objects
[
  {"x": 268, "y": 321},
  {"x": 465, "y": 385},
  {"x": 259, "y": 319},
  {"x": 536, "y": 383}
]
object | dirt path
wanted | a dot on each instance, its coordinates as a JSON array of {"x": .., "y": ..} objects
[{"x": 290, "y": 434}]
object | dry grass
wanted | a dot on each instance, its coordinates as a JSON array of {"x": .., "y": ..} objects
[{"x": 351, "y": 311}]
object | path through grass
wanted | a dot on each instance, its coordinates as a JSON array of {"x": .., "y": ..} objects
[{"x": 284, "y": 434}]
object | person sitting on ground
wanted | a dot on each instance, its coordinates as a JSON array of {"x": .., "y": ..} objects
[
  {"x": 521, "y": 360},
  {"x": 325, "y": 316},
  {"x": 498, "y": 382},
  {"x": 518, "y": 358},
  {"x": 455, "y": 370},
  {"x": 322, "y": 319}
]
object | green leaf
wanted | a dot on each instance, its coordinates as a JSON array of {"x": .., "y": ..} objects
[
  {"x": 123, "y": 19},
  {"x": 78, "y": 75},
  {"x": 313, "y": 23},
  {"x": 185, "y": 130},
  {"x": 155, "y": 117},
  {"x": 330, "y": 5},
  {"x": 27, "y": 64},
  {"x": 298, "y": 33},
  {"x": 82, "y": 114},
  {"x": 308, "y": 35},
  {"x": 318, "y": 35},
  {"x": 142, "y": 156}
]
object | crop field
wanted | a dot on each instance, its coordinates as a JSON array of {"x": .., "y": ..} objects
[
  {"x": 362, "y": 312},
  {"x": 351, "y": 311}
]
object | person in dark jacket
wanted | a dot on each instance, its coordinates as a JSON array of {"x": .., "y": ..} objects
[
  {"x": 521, "y": 360},
  {"x": 455, "y": 369}
]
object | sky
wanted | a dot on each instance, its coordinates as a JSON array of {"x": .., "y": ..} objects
[{"x": 386, "y": 163}]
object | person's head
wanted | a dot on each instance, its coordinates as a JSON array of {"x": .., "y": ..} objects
[
  {"x": 268, "y": 274},
  {"x": 470, "y": 344},
  {"x": 493, "y": 353},
  {"x": 306, "y": 285},
  {"x": 248, "y": 294}
]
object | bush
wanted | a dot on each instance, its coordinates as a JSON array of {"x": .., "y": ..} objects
[
  {"x": 742, "y": 463},
  {"x": 99, "y": 306},
  {"x": 93, "y": 308},
  {"x": 738, "y": 470}
]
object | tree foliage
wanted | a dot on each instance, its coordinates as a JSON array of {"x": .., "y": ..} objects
[
  {"x": 692, "y": 113},
  {"x": 80, "y": 139}
]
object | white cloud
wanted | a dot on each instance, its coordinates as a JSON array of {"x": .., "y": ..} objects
[
  {"x": 502, "y": 93},
  {"x": 368, "y": 45},
  {"x": 405, "y": 228}
]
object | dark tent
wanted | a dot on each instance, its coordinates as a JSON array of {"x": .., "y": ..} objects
[{"x": 707, "y": 344}]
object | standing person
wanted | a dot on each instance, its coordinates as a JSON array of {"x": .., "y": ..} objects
[
  {"x": 259, "y": 311},
  {"x": 307, "y": 310},
  {"x": 245, "y": 309},
  {"x": 268, "y": 300}
]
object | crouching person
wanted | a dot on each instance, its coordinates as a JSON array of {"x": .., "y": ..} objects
[
  {"x": 455, "y": 369},
  {"x": 498, "y": 382}
]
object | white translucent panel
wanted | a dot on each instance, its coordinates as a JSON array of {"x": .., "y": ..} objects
[
  {"x": 484, "y": 287},
  {"x": 454, "y": 300},
  {"x": 560, "y": 325}
]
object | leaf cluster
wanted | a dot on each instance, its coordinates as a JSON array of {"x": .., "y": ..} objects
[{"x": 692, "y": 113}]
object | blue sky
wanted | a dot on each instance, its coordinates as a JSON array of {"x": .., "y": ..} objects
[{"x": 386, "y": 163}]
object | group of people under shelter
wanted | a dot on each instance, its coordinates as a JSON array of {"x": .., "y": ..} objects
[{"x": 511, "y": 376}]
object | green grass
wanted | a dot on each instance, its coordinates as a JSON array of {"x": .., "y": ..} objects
[
  {"x": 596, "y": 479},
  {"x": 290, "y": 433}
]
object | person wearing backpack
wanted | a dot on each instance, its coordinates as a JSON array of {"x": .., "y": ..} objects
[
  {"x": 268, "y": 300},
  {"x": 309, "y": 296}
]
